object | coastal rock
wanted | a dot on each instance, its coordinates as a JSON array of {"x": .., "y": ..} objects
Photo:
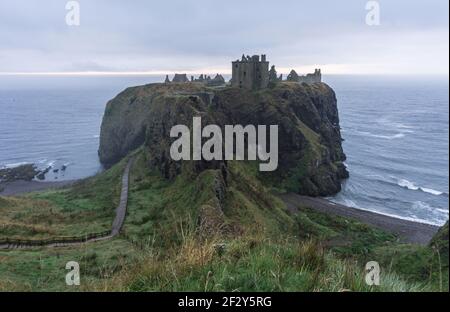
[
  {"x": 25, "y": 172},
  {"x": 310, "y": 151},
  {"x": 41, "y": 174}
]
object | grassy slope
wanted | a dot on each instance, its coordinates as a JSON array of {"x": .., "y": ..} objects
[
  {"x": 265, "y": 248},
  {"x": 86, "y": 207}
]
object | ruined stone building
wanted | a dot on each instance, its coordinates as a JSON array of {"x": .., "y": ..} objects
[
  {"x": 309, "y": 78},
  {"x": 250, "y": 72},
  {"x": 312, "y": 78},
  {"x": 218, "y": 80},
  {"x": 180, "y": 78},
  {"x": 273, "y": 75}
]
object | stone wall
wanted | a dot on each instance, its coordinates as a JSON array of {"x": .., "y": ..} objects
[{"x": 250, "y": 73}]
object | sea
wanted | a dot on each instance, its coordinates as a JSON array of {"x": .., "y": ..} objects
[{"x": 395, "y": 130}]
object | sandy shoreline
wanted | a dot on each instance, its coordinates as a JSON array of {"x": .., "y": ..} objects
[
  {"x": 407, "y": 231},
  {"x": 21, "y": 187}
]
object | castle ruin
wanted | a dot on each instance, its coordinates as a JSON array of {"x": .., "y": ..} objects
[
  {"x": 250, "y": 72},
  {"x": 309, "y": 78},
  {"x": 218, "y": 80}
]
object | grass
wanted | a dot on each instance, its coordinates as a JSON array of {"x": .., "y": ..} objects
[
  {"x": 250, "y": 264},
  {"x": 44, "y": 269},
  {"x": 418, "y": 264},
  {"x": 86, "y": 207},
  {"x": 251, "y": 243},
  {"x": 344, "y": 236}
]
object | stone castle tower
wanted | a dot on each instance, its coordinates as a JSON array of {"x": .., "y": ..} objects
[{"x": 250, "y": 72}]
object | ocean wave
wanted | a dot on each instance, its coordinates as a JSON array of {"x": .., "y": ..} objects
[
  {"x": 420, "y": 205},
  {"x": 431, "y": 191},
  {"x": 380, "y": 136},
  {"x": 404, "y": 128},
  {"x": 411, "y": 186},
  {"x": 438, "y": 221},
  {"x": 345, "y": 201},
  {"x": 390, "y": 137},
  {"x": 13, "y": 165}
]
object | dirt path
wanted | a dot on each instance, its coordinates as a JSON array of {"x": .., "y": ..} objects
[
  {"x": 117, "y": 224},
  {"x": 407, "y": 231}
]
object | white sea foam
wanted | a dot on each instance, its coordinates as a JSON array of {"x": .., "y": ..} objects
[
  {"x": 403, "y": 126},
  {"x": 389, "y": 137},
  {"x": 411, "y": 186},
  {"x": 13, "y": 165},
  {"x": 422, "y": 206},
  {"x": 350, "y": 203},
  {"x": 42, "y": 161},
  {"x": 412, "y": 217},
  {"x": 380, "y": 136},
  {"x": 431, "y": 191},
  {"x": 407, "y": 184},
  {"x": 441, "y": 210}
]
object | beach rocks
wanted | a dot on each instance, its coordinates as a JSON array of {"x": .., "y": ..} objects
[
  {"x": 41, "y": 174},
  {"x": 25, "y": 172},
  {"x": 28, "y": 172}
]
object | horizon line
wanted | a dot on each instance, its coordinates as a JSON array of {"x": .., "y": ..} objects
[{"x": 190, "y": 72}]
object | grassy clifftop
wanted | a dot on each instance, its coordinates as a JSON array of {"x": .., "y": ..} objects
[{"x": 310, "y": 151}]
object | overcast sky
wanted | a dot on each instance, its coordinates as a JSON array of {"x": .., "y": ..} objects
[{"x": 205, "y": 35}]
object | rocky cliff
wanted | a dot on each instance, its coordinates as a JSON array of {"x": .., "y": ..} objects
[{"x": 310, "y": 151}]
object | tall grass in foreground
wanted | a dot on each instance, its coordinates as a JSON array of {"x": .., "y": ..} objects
[{"x": 250, "y": 264}]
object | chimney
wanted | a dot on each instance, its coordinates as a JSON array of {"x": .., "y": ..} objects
[{"x": 263, "y": 58}]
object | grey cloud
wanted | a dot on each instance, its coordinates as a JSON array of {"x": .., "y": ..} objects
[{"x": 142, "y": 34}]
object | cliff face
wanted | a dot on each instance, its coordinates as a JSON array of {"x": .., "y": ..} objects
[{"x": 310, "y": 151}]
